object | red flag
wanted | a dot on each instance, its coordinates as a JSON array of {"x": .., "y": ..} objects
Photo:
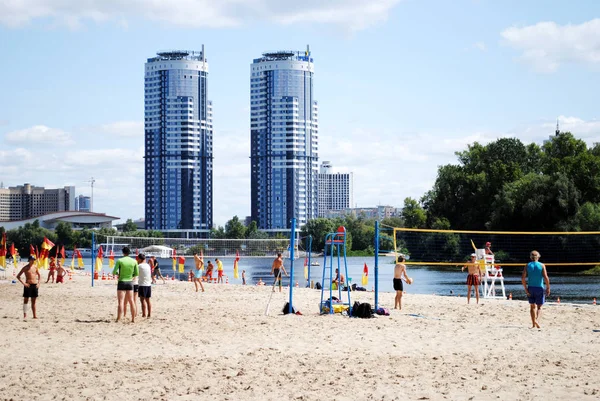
[
  {"x": 111, "y": 259},
  {"x": 47, "y": 244},
  {"x": 99, "y": 258},
  {"x": 181, "y": 264},
  {"x": 13, "y": 251},
  {"x": 32, "y": 251},
  {"x": 77, "y": 254},
  {"x": 365, "y": 277},
  {"x": 237, "y": 256}
]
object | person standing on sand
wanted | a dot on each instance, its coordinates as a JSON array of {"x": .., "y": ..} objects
[
  {"x": 209, "y": 271},
  {"x": 30, "y": 286},
  {"x": 399, "y": 276},
  {"x": 127, "y": 268},
  {"x": 474, "y": 277},
  {"x": 276, "y": 269},
  {"x": 52, "y": 270},
  {"x": 219, "y": 270},
  {"x": 533, "y": 278},
  {"x": 243, "y": 277},
  {"x": 145, "y": 286},
  {"x": 61, "y": 272},
  {"x": 198, "y": 272}
]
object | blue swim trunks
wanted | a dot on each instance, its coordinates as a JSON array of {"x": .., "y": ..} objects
[
  {"x": 537, "y": 295},
  {"x": 197, "y": 273}
]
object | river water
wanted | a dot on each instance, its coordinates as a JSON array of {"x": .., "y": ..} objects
[{"x": 427, "y": 280}]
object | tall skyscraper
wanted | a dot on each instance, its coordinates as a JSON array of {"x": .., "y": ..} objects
[
  {"x": 83, "y": 203},
  {"x": 179, "y": 149},
  {"x": 336, "y": 190},
  {"x": 283, "y": 139}
]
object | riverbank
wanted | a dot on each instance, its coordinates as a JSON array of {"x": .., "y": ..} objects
[{"x": 220, "y": 345}]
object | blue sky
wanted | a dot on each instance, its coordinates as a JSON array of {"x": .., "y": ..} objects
[{"x": 401, "y": 85}]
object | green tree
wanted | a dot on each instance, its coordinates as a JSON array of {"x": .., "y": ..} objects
[
  {"x": 413, "y": 214},
  {"x": 318, "y": 228},
  {"x": 235, "y": 229},
  {"x": 129, "y": 226},
  {"x": 252, "y": 229}
]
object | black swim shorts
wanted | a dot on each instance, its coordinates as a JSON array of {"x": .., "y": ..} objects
[
  {"x": 125, "y": 286},
  {"x": 135, "y": 288},
  {"x": 145, "y": 291},
  {"x": 398, "y": 285},
  {"x": 275, "y": 273},
  {"x": 31, "y": 291}
]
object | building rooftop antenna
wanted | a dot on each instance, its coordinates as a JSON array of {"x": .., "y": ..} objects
[
  {"x": 91, "y": 181},
  {"x": 557, "y": 128}
]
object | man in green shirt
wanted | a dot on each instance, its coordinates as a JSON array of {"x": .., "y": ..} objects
[{"x": 127, "y": 268}]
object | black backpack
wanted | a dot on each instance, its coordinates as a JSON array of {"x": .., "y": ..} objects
[
  {"x": 286, "y": 309},
  {"x": 362, "y": 310},
  {"x": 318, "y": 285}
]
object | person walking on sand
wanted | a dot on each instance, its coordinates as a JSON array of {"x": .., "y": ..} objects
[
  {"x": 61, "y": 272},
  {"x": 145, "y": 286},
  {"x": 533, "y": 279},
  {"x": 276, "y": 270},
  {"x": 474, "y": 277},
  {"x": 127, "y": 268},
  {"x": 156, "y": 271},
  {"x": 52, "y": 271},
  {"x": 30, "y": 286},
  {"x": 198, "y": 272},
  {"x": 399, "y": 276},
  {"x": 219, "y": 270}
]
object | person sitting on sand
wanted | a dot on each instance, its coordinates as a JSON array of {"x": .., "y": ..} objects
[
  {"x": 399, "y": 276},
  {"x": 260, "y": 282},
  {"x": 533, "y": 278},
  {"x": 474, "y": 277},
  {"x": 61, "y": 272},
  {"x": 30, "y": 286}
]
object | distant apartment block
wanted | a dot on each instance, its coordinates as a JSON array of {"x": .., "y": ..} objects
[
  {"x": 377, "y": 212},
  {"x": 83, "y": 203},
  {"x": 27, "y": 201},
  {"x": 335, "y": 189}
]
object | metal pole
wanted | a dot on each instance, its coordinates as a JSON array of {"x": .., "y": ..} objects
[
  {"x": 292, "y": 245},
  {"x": 309, "y": 259},
  {"x": 376, "y": 264},
  {"x": 93, "y": 254}
]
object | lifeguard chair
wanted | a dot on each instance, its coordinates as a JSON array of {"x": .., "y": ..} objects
[
  {"x": 334, "y": 242},
  {"x": 493, "y": 279}
]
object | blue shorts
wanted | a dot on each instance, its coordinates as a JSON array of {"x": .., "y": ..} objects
[
  {"x": 537, "y": 295},
  {"x": 197, "y": 273}
]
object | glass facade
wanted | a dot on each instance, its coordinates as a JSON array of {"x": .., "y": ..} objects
[
  {"x": 178, "y": 142},
  {"x": 284, "y": 140}
]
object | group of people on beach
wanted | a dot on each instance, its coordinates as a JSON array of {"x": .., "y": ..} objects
[{"x": 136, "y": 277}]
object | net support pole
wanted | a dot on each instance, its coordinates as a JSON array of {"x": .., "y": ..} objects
[
  {"x": 376, "y": 264},
  {"x": 292, "y": 246},
  {"x": 309, "y": 259},
  {"x": 93, "y": 255}
]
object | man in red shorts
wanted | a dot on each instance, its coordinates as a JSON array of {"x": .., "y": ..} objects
[{"x": 474, "y": 277}]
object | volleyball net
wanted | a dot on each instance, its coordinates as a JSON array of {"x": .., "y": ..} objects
[
  {"x": 165, "y": 247},
  {"x": 453, "y": 247}
]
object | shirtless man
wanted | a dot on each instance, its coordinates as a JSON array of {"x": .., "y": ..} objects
[
  {"x": 339, "y": 278},
  {"x": 209, "y": 271},
  {"x": 399, "y": 276},
  {"x": 198, "y": 272},
  {"x": 474, "y": 277},
  {"x": 276, "y": 269},
  {"x": 61, "y": 272},
  {"x": 52, "y": 271},
  {"x": 30, "y": 286}
]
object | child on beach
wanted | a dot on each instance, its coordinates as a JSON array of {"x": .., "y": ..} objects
[
  {"x": 474, "y": 277},
  {"x": 243, "y": 277},
  {"x": 30, "y": 286},
  {"x": 61, "y": 272},
  {"x": 399, "y": 276},
  {"x": 52, "y": 270}
]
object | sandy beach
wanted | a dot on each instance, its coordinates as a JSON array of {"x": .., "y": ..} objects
[{"x": 220, "y": 345}]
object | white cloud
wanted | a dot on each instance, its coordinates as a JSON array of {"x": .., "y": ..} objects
[
  {"x": 480, "y": 46},
  {"x": 547, "y": 45},
  {"x": 352, "y": 14},
  {"x": 38, "y": 134}
]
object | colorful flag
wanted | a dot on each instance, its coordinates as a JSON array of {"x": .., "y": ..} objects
[
  {"x": 77, "y": 254},
  {"x": 73, "y": 262},
  {"x": 111, "y": 259},
  {"x": 174, "y": 259},
  {"x": 14, "y": 254},
  {"x": 47, "y": 244},
  {"x": 365, "y": 277},
  {"x": 181, "y": 264},
  {"x": 473, "y": 245},
  {"x": 236, "y": 273},
  {"x": 3, "y": 250},
  {"x": 99, "y": 259},
  {"x": 305, "y": 268},
  {"x": 63, "y": 256}
]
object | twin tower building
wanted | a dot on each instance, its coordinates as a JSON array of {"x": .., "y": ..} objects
[{"x": 179, "y": 141}]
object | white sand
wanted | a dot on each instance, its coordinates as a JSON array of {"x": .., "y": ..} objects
[{"x": 219, "y": 345}]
